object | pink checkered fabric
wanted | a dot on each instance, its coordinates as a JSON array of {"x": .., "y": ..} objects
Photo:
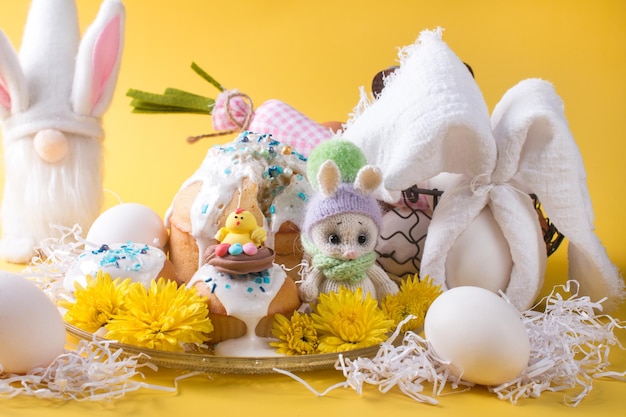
[{"x": 286, "y": 124}]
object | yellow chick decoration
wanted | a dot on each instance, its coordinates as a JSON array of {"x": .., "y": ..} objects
[{"x": 240, "y": 234}]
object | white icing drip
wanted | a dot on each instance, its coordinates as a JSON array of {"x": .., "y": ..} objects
[
  {"x": 140, "y": 263},
  {"x": 281, "y": 180},
  {"x": 246, "y": 297},
  {"x": 290, "y": 205}
]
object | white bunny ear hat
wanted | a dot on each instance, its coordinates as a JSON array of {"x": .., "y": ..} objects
[
  {"x": 431, "y": 119},
  {"x": 52, "y": 97},
  {"x": 60, "y": 82}
]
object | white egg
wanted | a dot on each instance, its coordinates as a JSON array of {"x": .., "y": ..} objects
[
  {"x": 479, "y": 333},
  {"x": 128, "y": 222},
  {"x": 480, "y": 256},
  {"x": 32, "y": 333}
]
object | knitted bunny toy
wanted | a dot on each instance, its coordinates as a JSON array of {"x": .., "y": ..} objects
[
  {"x": 340, "y": 232},
  {"x": 51, "y": 100}
]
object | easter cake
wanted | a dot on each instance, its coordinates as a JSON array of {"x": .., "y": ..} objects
[
  {"x": 254, "y": 172},
  {"x": 243, "y": 285},
  {"x": 139, "y": 262}
]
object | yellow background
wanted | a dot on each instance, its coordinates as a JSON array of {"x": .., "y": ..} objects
[{"x": 314, "y": 55}]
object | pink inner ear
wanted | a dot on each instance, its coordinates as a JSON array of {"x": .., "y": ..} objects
[
  {"x": 5, "y": 97},
  {"x": 105, "y": 56}
]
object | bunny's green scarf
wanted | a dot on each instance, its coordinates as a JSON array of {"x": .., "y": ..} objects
[{"x": 351, "y": 270}]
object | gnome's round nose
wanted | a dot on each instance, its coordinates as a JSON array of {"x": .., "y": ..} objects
[{"x": 51, "y": 145}]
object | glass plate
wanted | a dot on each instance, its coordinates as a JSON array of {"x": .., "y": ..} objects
[{"x": 207, "y": 362}]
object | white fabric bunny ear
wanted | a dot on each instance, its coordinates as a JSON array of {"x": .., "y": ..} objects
[
  {"x": 98, "y": 61},
  {"x": 440, "y": 119},
  {"x": 536, "y": 146}
]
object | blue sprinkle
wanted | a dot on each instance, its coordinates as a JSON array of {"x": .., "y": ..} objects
[
  {"x": 274, "y": 142},
  {"x": 272, "y": 209},
  {"x": 227, "y": 171},
  {"x": 205, "y": 208},
  {"x": 300, "y": 177},
  {"x": 258, "y": 280},
  {"x": 250, "y": 289},
  {"x": 266, "y": 280},
  {"x": 262, "y": 289},
  {"x": 208, "y": 280},
  {"x": 302, "y": 196},
  {"x": 227, "y": 286},
  {"x": 299, "y": 155},
  {"x": 213, "y": 288}
]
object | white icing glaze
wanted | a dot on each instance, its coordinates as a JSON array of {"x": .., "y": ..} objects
[
  {"x": 283, "y": 189},
  {"x": 139, "y": 262},
  {"x": 246, "y": 297}
]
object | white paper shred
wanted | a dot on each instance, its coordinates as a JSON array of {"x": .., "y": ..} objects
[
  {"x": 570, "y": 345},
  {"x": 410, "y": 366},
  {"x": 92, "y": 372},
  {"x": 54, "y": 258}
]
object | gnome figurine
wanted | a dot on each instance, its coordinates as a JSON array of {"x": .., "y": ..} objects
[{"x": 52, "y": 98}]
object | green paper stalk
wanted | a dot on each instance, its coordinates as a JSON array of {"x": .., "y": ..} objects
[{"x": 174, "y": 100}]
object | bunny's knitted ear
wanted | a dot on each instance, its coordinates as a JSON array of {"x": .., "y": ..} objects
[
  {"x": 328, "y": 178},
  {"x": 13, "y": 87},
  {"x": 368, "y": 179},
  {"x": 98, "y": 61}
]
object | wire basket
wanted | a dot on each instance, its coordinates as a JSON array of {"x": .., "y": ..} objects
[{"x": 404, "y": 231}]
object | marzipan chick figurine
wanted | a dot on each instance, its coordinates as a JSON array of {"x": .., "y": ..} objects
[{"x": 240, "y": 234}]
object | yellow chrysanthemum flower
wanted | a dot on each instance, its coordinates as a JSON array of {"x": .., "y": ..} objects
[
  {"x": 346, "y": 321},
  {"x": 296, "y": 336},
  {"x": 165, "y": 317},
  {"x": 95, "y": 304},
  {"x": 414, "y": 298}
]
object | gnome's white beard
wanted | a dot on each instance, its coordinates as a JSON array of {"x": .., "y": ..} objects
[{"x": 38, "y": 195}]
